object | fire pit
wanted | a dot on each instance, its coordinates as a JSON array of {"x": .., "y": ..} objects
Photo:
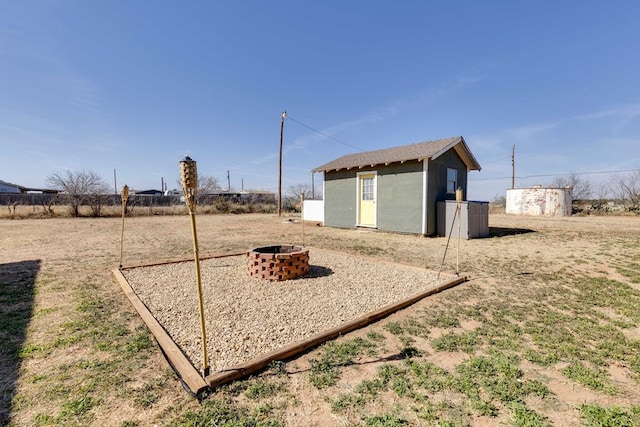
[{"x": 279, "y": 262}]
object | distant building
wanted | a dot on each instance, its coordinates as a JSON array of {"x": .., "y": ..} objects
[
  {"x": 9, "y": 188},
  {"x": 148, "y": 193}
]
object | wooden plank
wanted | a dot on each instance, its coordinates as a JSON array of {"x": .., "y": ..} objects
[
  {"x": 184, "y": 369},
  {"x": 218, "y": 378}
]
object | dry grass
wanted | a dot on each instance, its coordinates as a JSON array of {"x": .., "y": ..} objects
[{"x": 547, "y": 331}]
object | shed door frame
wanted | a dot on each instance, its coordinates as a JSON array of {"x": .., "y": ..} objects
[{"x": 361, "y": 176}]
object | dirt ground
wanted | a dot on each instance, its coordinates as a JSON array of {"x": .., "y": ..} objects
[{"x": 83, "y": 357}]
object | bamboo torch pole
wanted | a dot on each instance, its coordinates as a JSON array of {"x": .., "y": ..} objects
[
  {"x": 189, "y": 178},
  {"x": 458, "y": 209},
  {"x": 302, "y": 215},
  {"x": 124, "y": 196}
]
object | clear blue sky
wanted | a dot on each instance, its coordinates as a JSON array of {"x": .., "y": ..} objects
[{"x": 136, "y": 85}]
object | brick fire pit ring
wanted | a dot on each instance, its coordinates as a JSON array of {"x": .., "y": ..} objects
[{"x": 278, "y": 262}]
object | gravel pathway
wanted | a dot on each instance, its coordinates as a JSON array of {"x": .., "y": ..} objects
[{"x": 247, "y": 317}]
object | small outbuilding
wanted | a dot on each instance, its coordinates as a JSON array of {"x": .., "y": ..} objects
[{"x": 396, "y": 189}]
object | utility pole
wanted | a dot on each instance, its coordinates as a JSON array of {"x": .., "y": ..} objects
[
  {"x": 228, "y": 182},
  {"x": 313, "y": 187},
  {"x": 115, "y": 183},
  {"x": 513, "y": 167},
  {"x": 284, "y": 114}
]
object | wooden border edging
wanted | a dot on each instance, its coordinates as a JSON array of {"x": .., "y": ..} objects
[
  {"x": 181, "y": 365},
  {"x": 219, "y": 378}
]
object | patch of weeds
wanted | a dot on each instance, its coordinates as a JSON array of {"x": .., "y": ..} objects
[
  {"x": 428, "y": 376},
  {"x": 443, "y": 414},
  {"x": 541, "y": 357},
  {"x": 345, "y": 402},
  {"x": 31, "y": 350},
  {"x": 483, "y": 408},
  {"x": 371, "y": 387},
  {"x": 222, "y": 412},
  {"x": 440, "y": 319},
  {"x": 130, "y": 423},
  {"x": 43, "y": 420},
  {"x": 141, "y": 341},
  {"x": 595, "y": 379},
  {"x": 262, "y": 388},
  {"x": 77, "y": 407},
  {"x": 401, "y": 386},
  {"x": 604, "y": 292},
  {"x": 499, "y": 377},
  {"x": 385, "y": 420},
  {"x": 467, "y": 342},
  {"x": 235, "y": 388},
  {"x": 394, "y": 327},
  {"x": 409, "y": 326},
  {"x": 277, "y": 367},
  {"x": 146, "y": 396},
  {"x": 610, "y": 416},
  {"x": 324, "y": 370},
  {"x": 376, "y": 337},
  {"x": 521, "y": 416}
]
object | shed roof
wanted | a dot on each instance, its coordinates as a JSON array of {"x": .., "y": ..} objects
[{"x": 419, "y": 151}]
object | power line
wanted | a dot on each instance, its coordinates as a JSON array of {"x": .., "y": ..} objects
[
  {"x": 324, "y": 134},
  {"x": 557, "y": 174}
]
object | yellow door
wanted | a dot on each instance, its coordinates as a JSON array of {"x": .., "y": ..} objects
[{"x": 367, "y": 200}]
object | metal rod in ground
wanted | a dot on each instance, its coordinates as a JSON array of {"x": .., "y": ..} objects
[
  {"x": 447, "y": 247},
  {"x": 124, "y": 195}
]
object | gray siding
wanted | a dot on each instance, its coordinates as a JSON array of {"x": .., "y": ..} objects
[
  {"x": 437, "y": 184},
  {"x": 340, "y": 199},
  {"x": 399, "y": 201}
]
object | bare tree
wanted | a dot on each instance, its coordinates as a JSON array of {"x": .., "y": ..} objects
[
  {"x": 627, "y": 189},
  {"x": 208, "y": 184},
  {"x": 81, "y": 186},
  {"x": 297, "y": 190},
  {"x": 580, "y": 187}
]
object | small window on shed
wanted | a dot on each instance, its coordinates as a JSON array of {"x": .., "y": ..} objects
[{"x": 452, "y": 180}]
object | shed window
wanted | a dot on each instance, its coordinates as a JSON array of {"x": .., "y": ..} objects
[
  {"x": 452, "y": 180},
  {"x": 367, "y": 189}
]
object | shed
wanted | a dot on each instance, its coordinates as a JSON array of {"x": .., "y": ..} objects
[{"x": 395, "y": 189}]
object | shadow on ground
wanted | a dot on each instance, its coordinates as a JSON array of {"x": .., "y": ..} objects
[
  {"x": 505, "y": 231},
  {"x": 17, "y": 282},
  {"x": 316, "y": 271}
]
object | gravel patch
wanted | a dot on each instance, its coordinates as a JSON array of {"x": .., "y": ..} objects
[{"x": 247, "y": 317}]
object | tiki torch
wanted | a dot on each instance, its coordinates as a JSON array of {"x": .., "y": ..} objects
[
  {"x": 459, "y": 212},
  {"x": 124, "y": 196},
  {"x": 302, "y": 215},
  {"x": 189, "y": 179}
]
